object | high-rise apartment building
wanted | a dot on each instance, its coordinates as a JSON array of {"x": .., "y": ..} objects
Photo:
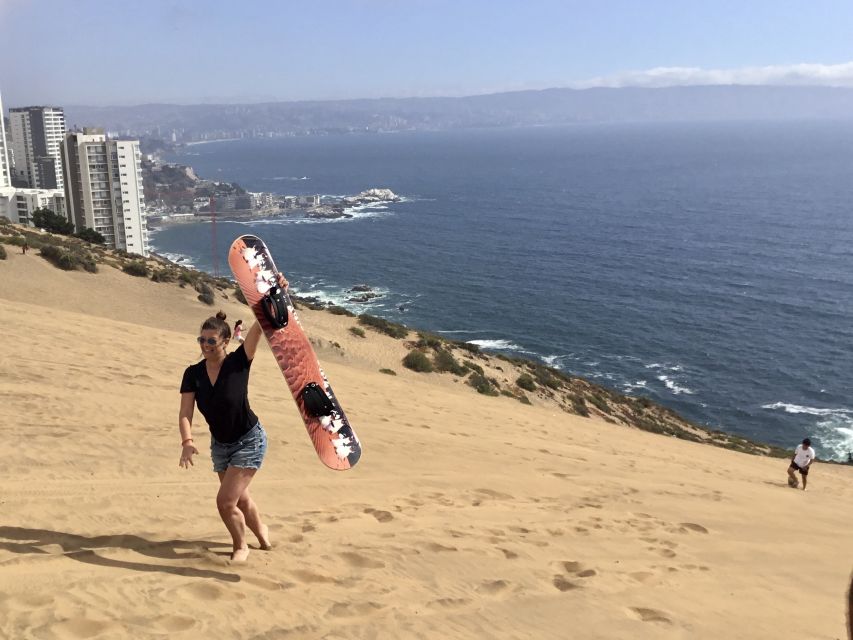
[
  {"x": 103, "y": 188},
  {"x": 37, "y": 136}
]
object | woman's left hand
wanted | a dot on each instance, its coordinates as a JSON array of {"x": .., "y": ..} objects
[{"x": 282, "y": 281}]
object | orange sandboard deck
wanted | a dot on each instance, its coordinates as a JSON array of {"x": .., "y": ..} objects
[{"x": 333, "y": 437}]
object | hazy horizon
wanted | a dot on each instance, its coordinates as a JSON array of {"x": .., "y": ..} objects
[
  {"x": 249, "y": 103},
  {"x": 97, "y": 53}
]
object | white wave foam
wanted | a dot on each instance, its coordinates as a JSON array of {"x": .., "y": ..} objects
[
  {"x": 177, "y": 258},
  {"x": 340, "y": 296},
  {"x": 629, "y": 387},
  {"x": 834, "y": 427},
  {"x": 503, "y": 345},
  {"x": 665, "y": 367},
  {"x": 676, "y": 389},
  {"x": 837, "y": 438},
  {"x": 812, "y": 411}
]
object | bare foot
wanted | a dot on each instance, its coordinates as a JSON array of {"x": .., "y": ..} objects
[
  {"x": 240, "y": 555},
  {"x": 264, "y": 538}
]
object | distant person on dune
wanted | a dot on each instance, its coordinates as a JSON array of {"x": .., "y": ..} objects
[
  {"x": 802, "y": 459},
  {"x": 238, "y": 331},
  {"x": 219, "y": 385}
]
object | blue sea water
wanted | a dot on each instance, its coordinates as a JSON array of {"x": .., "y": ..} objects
[{"x": 709, "y": 267}]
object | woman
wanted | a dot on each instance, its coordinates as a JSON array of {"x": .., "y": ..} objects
[
  {"x": 238, "y": 331},
  {"x": 238, "y": 442}
]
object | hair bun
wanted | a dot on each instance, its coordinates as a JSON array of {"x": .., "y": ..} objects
[{"x": 220, "y": 315}]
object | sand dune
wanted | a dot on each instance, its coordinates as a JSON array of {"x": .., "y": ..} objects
[{"x": 468, "y": 516}]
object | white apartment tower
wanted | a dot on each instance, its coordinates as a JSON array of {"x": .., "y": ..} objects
[
  {"x": 37, "y": 135},
  {"x": 103, "y": 188}
]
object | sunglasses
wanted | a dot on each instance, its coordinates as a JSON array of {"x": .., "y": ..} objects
[{"x": 210, "y": 341}]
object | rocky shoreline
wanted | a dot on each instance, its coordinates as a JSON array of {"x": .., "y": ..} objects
[
  {"x": 330, "y": 208},
  {"x": 337, "y": 208}
]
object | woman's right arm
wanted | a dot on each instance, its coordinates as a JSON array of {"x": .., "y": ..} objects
[{"x": 185, "y": 426}]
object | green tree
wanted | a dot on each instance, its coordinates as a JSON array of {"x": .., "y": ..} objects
[
  {"x": 46, "y": 219},
  {"x": 90, "y": 235}
]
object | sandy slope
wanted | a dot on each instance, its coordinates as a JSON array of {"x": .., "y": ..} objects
[{"x": 468, "y": 517}]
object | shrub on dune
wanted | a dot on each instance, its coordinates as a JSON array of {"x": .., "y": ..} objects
[{"x": 417, "y": 361}]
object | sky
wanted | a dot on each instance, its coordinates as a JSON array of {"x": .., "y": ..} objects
[{"x": 120, "y": 52}]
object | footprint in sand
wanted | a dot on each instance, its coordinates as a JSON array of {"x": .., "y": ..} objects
[
  {"x": 448, "y": 603},
  {"x": 267, "y": 585},
  {"x": 509, "y": 555},
  {"x": 572, "y": 567},
  {"x": 81, "y": 628},
  {"x": 648, "y": 615},
  {"x": 492, "y": 587},
  {"x": 353, "y": 609},
  {"x": 381, "y": 516},
  {"x": 563, "y": 584},
  {"x": 698, "y": 528},
  {"x": 434, "y": 546},
  {"x": 590, "y": 505},
  {"x": 208, "y": 591},
  {"x": 174, "y": 624},
  {"x": 577, "y": 568},
  {"x": 497, "y": 495},
  {"x": 361, "y": 562},
  {"x": 641, "y": 576},
  {"x": 311, "y": 577}
]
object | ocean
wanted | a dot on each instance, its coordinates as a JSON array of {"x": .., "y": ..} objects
[{"x": 708, "y": 267}]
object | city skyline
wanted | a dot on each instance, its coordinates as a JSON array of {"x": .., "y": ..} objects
[{"x": 168, "y": 52}]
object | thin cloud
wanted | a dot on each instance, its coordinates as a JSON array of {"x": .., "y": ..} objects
[{"x": 826, "y": 75}]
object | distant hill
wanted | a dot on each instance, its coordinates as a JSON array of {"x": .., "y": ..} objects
[{"x": 520, "y": 108}]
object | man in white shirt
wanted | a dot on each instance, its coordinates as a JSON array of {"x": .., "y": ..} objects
[{"x": 802, "y": 459}]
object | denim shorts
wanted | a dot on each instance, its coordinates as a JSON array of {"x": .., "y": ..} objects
[{"x": 247, "y": 453}]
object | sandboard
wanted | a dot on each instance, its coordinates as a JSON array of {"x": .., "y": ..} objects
[{"x": 331, "y": 433}]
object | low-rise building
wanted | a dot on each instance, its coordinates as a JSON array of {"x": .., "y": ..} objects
[
  {"x": 18, "y": 205},
  {"x": 308, "y": 201}
]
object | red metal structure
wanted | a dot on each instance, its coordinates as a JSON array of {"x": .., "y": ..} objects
[{"x": 214, "y": 252}]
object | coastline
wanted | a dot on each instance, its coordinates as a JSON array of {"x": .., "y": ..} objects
[
  {"x": 709, "y": 368},
  {"x": 198, "y": 142},
  {"x": 387, "y": 304},
  {"x": 553, "y": 387}
]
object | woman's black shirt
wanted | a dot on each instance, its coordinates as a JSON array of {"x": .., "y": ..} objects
[{"x": 224, "y": 405}]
